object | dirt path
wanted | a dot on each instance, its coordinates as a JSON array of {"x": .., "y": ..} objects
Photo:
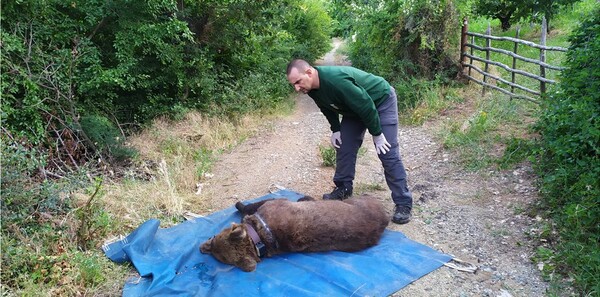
[{"x": 474, "y": 217}]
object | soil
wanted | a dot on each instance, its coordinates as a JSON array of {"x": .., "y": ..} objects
[{"x": 475, "y": 217}]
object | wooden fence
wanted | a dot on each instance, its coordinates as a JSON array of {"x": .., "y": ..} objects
[{"x": 487, "y": 37}]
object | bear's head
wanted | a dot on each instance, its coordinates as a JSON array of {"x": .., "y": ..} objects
[{"x": 233, "y": 246}]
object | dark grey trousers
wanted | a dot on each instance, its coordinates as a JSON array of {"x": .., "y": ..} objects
[{"x": 353, "y": 132}]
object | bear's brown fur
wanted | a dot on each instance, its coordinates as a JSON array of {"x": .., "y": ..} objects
[{"x": 308, "y": 226}]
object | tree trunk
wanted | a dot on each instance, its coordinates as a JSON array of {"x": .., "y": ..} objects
[{"x": 505, "y": 23}]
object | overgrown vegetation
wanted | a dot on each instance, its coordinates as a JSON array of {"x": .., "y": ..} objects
[
  {"x": 400, "y": 40},
  {"x": 496, "y": 132},
  {"x": 80, "y": 79},
  {"x": 569, "y": 159},
  {"x": 71, "y": 70},
  {"x": 510, "y": 12}
]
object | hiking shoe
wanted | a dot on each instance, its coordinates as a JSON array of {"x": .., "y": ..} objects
[
  {"x": 339, "y": 193},
  {"x": 401, "y": 215}
]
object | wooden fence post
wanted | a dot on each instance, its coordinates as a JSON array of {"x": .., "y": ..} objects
[
  {"x": 471, "y": 52},
  {"x": 543, "y": 57},
  {"x": 514, "y": 63},
  {"x": 463, "y": 44},
  {"x": 488, "y": 44}
]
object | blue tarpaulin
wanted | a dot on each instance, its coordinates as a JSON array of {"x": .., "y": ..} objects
[{"x": 170, "y": 263}]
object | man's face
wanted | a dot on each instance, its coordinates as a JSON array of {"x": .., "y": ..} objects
[{"x": 302, "y": 80}]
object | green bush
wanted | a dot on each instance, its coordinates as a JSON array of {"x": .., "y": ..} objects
[
  {"x": 328, "y": 154},
  {"x": 311, "y": 26},
  {"x": 106, "y": 137},
  {"x": 401, "y": 39},
  {"x": 133, "y": 61},
  {"x": 569, "y": 158}
]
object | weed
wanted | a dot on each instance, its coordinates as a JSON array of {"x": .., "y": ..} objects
[
  {"x": 203, "y": 159},
  {"x": 517, "y": 150},
  {"x": 544, "y": 258},
  {"x": 370, "y": 187},
  {"x": 500, "y": 232},
  {"x": 328, "y": 154},
  {"x": 94, "y": 221},
  {"x": 519, "y": 209}
]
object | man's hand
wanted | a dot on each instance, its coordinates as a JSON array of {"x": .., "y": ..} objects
[
  {"x": 336, "y": 139},
  {"x": 381, "y": 144}
]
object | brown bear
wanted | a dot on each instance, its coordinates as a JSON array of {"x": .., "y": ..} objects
[{"x": 278, "y": 226}]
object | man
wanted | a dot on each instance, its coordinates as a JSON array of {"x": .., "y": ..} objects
[{"x": 365, "y": 102}]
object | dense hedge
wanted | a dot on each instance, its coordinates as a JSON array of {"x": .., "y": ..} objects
[
  {"x": 569, "y": 158},
  {"x": 77, "y": 76},
  {"x": 124, "y": 63},
  {"x": 405, "y": 39}
]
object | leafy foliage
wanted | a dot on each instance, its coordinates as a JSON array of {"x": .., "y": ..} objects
[
  {"x": 508, "y": 11},
  {"x": 401, "y": 39},
  {"x": 342, "y": 16},
  {"x": 77, "y": 77},
  {"x": 569, "y": 157},
  {"x": 131, "y": 61},
  {"x": 328, "y": 154}
]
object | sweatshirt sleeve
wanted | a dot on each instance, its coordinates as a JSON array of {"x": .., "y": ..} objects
[{"x": 332, "y": 117}]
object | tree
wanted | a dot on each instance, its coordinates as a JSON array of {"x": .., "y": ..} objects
[
  {"x": 70, "y": 69},
  {"x": 507, "y": 11},
  {"x": 510, "y": 11},
  {"x": 401, "y": 39}
]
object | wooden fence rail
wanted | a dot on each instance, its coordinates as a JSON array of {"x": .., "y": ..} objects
[{"x": 487, "y": 49}]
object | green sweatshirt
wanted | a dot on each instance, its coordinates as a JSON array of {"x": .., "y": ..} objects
[{"x": 350, "y": 92}]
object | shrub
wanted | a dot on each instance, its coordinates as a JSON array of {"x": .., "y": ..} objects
[
  {"x": 407, "y": 38},
  {"x": 106, "y": 137},
  {"x": 328, "y": 155},
  {"x": 569, "y": 157}
]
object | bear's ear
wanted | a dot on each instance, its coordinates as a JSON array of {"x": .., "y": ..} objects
[
  {"x": 247, "y": 264},
  {"x": 206, "y": 246},
  {"x": 237, "y": 232}
]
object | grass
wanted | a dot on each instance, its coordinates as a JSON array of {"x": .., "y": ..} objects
[
  {"x": 327, "y": 155},
  {"x": 491, "y": 130},
  {"x": 531, "y": 32},
  {"x": 369, "y": 187},
  {"x": 51, "y": 255},
  {"x": 479, "y": 133}
]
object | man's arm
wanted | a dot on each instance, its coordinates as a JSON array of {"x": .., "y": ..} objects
[{"x": 332, "y": 117}]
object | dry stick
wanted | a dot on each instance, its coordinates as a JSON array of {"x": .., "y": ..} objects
[
  {"x": 83, "y": 226},
  {"x": 525, "y": 42},
  {"x": 59, "y": 138},
  {"x": 7, "y": 133},
  {"x": 500, "y": 79},
  {"x": 58, "y": 157},
  {"x": 509, "y": 53},
  {"x": 505, "y": 67},
  {"x": 46, "y": 172}
]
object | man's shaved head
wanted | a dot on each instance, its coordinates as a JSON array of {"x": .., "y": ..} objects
[
  {"x": 302, "y": 76},
  {"x": 299, "y": 64}
]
